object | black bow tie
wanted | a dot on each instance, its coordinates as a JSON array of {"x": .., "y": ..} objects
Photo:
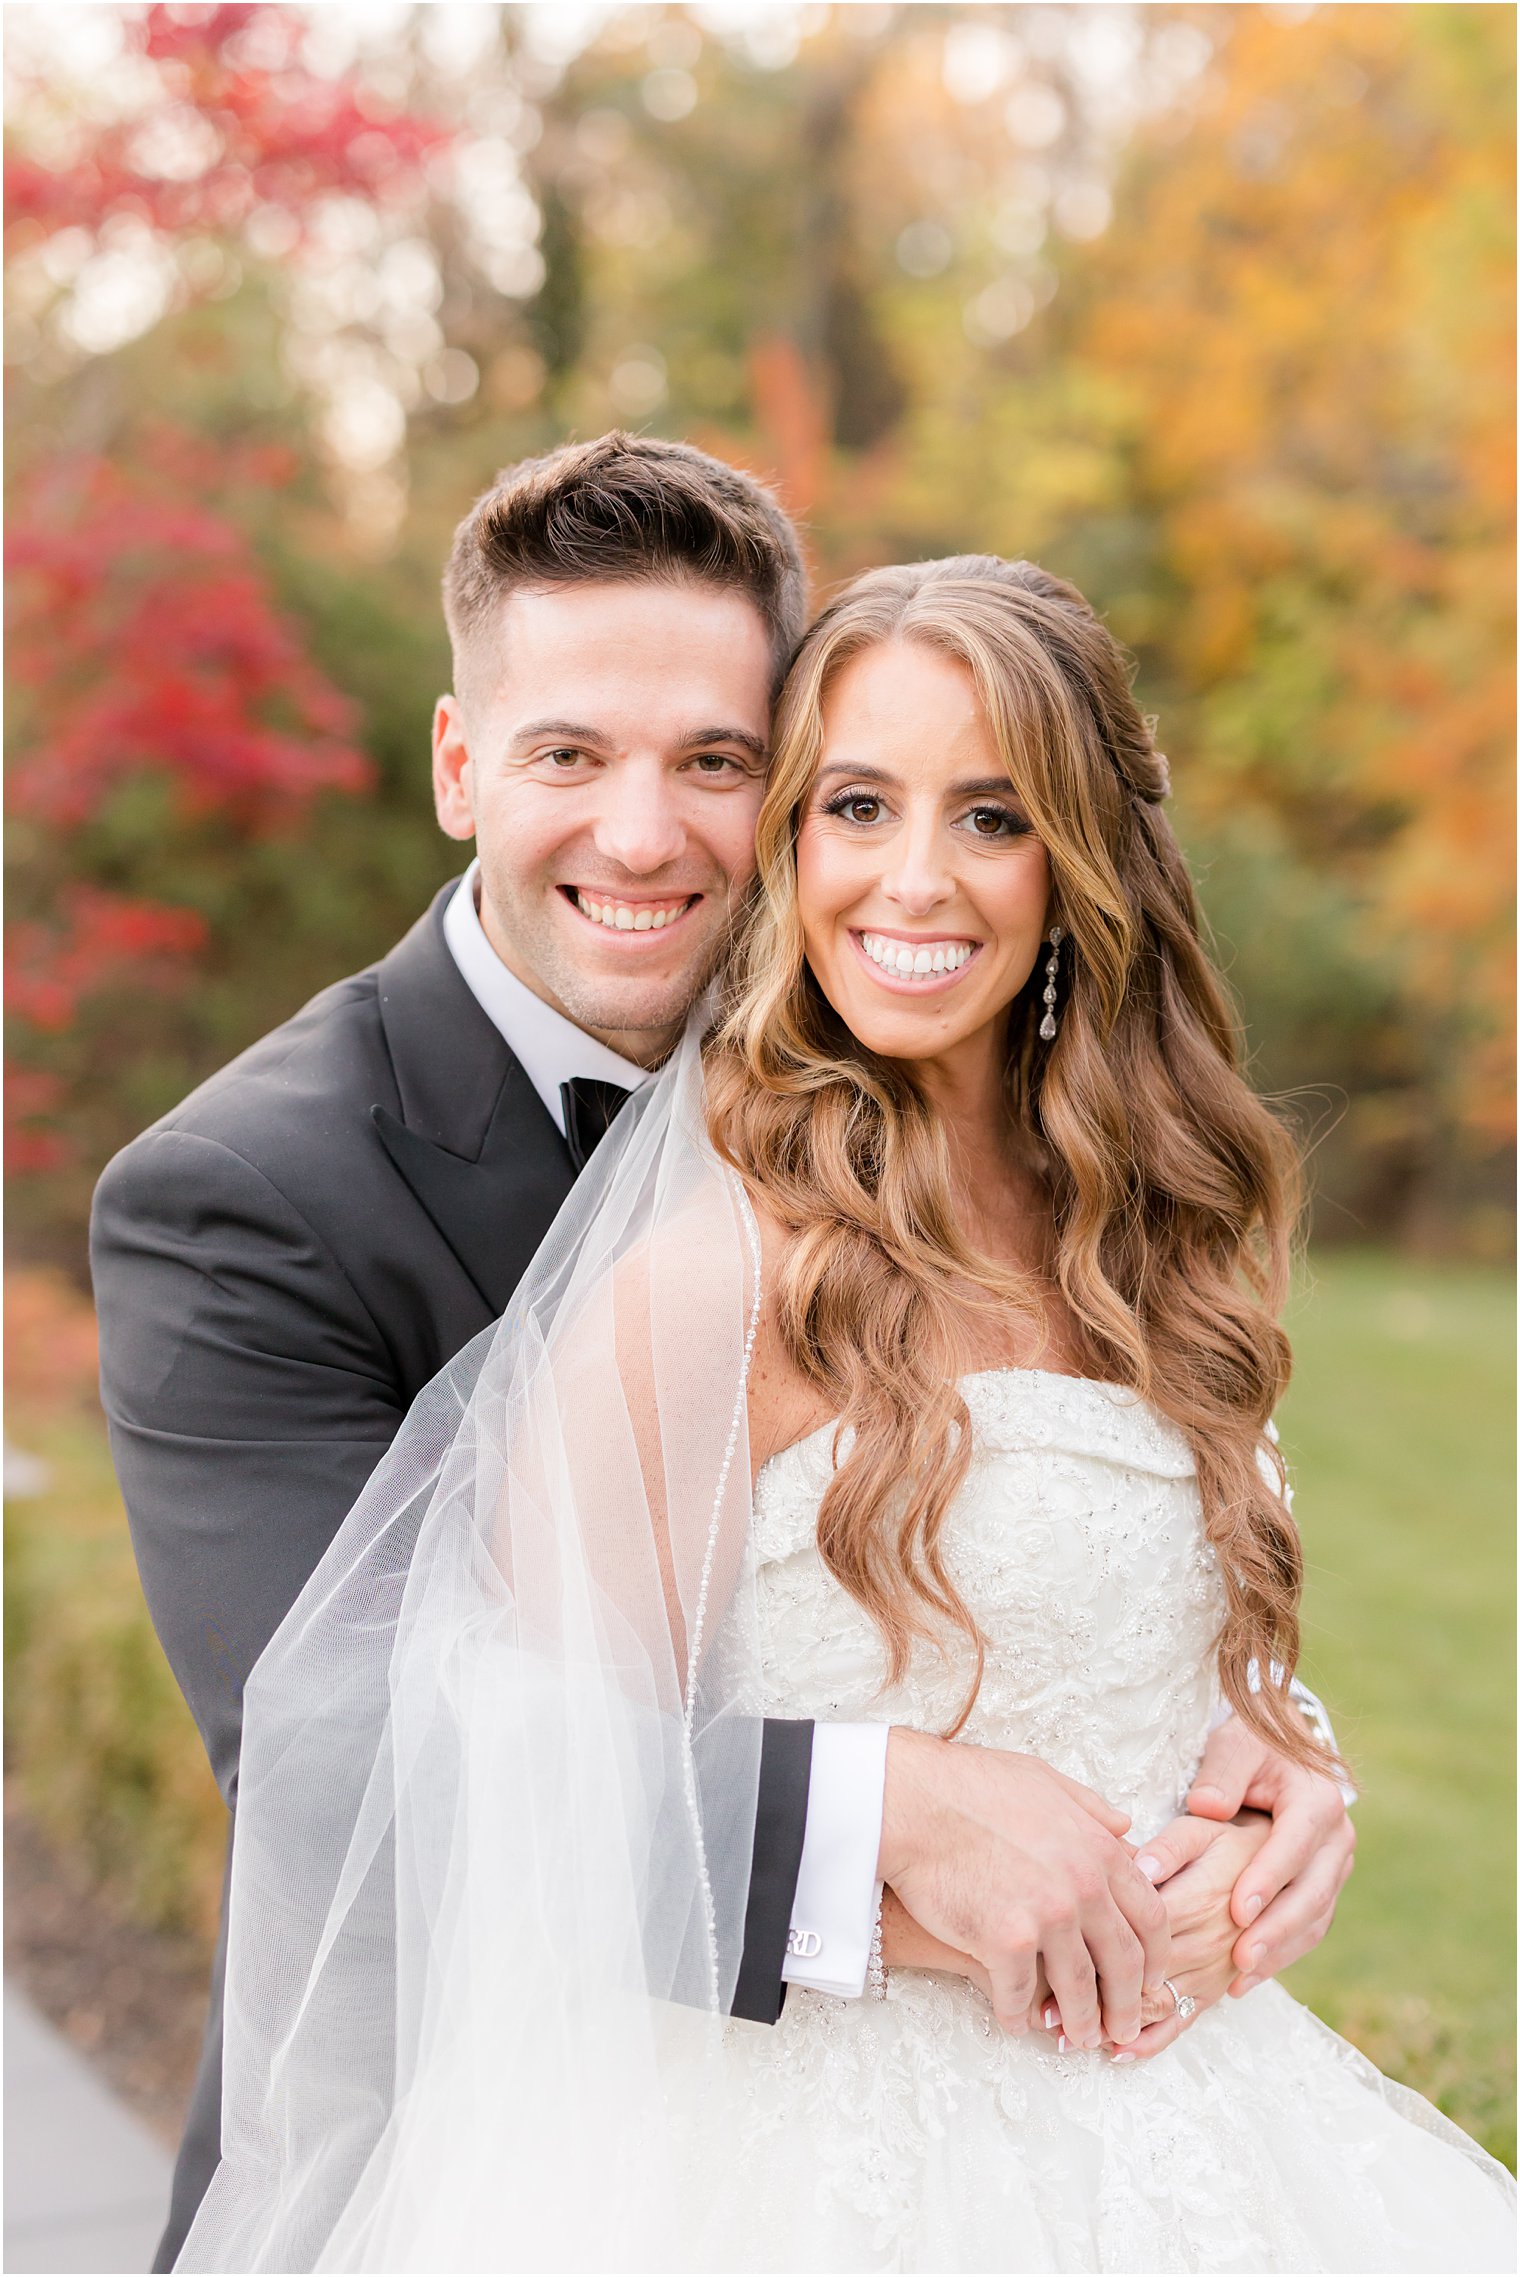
[{"x": 589, "y": 1106}]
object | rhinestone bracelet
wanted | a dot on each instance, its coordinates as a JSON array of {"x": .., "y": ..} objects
[{"x": 876, "y": 1971}]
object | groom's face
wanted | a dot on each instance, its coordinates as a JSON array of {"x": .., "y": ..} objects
[{"x": 610, "y": 768}]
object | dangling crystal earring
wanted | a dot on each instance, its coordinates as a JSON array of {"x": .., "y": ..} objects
[{"x": 1053, "y": 965}]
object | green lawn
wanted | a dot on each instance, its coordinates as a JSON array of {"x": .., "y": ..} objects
[{"x": 1399, "y": 1430}]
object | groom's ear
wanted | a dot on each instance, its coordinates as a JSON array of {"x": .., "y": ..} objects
[{"x": 453, "y": 785}]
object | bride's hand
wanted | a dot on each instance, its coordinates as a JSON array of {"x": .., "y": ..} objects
[{"x": 1197, "y": 1901}]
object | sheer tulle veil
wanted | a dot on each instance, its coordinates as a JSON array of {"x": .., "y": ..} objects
[{"x": 499, "y": 1773}]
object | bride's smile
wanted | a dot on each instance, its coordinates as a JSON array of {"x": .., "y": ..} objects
[
  {"x": 915, "y": 961},
  {"x": 922, "y": 889}
]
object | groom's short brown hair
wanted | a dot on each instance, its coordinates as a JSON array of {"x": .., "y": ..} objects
[{"x": 623, "y": 507}]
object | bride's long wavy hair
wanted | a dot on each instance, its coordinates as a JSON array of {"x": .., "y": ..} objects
[{"x": 1173, "y": 1192}]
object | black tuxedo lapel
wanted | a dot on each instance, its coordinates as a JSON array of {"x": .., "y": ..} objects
[
  {"x": 492, "y": 1212},
  {"x": 474, "y": 1142}
]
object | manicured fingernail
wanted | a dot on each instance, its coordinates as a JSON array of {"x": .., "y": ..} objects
[
  {"x": 1253, "y": 1906},
  {"x": 1150, "y": 1867},
  {"x": 1052, "y": 2018},
  {"x": 1124, "y": 2057},
  {"x": 1063, "y": 2044}
]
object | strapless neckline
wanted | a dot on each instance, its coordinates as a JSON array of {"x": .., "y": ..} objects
[{"x": 1124, "y": 1394}]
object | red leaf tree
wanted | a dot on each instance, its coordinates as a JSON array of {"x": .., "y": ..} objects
[
  {"x": 268, "y": 132},
  {"x": 147, "y": 644}
]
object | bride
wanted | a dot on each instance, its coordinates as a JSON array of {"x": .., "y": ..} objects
[{"x": 908, "y": 1352}]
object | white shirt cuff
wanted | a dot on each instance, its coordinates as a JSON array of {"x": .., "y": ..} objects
[{"x": 834, "y": 1911}]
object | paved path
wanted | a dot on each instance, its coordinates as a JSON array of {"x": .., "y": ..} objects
[{"x": 86, "y": 2184}]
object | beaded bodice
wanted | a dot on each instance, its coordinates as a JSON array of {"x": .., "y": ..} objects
[{"x": 1076, "y": 1542}]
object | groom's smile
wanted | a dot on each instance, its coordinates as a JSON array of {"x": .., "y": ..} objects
[
  {"x": 609, "y": 760},
  {"x": 630, "y": 913}
]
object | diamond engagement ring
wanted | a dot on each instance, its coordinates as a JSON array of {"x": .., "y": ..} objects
[{"x": 1186, "y": 2005}]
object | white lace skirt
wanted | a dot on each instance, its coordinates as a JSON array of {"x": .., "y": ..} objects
[{"x": 913, "y": 2135}]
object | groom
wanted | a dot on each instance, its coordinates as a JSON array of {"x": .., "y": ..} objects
[{"x": 287, "y": 1258}]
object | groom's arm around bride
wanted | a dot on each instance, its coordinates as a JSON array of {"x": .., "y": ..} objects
[{"x": 285, "y": 1260}]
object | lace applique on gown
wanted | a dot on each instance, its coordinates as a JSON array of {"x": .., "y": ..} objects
[{"x": 913, "y": 2134}]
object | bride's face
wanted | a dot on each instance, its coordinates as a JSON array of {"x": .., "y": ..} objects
[{"x": 922, "y": 888}]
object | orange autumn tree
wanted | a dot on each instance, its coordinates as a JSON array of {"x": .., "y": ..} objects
[
  {"x": 1264, "y": 417},
  {"x": 1305, "y": 309}
]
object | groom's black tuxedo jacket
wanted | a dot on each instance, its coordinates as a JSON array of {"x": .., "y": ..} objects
[{"x": 280, "y": 1265}]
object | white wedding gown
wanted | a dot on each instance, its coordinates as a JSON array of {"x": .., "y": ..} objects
[{"x": 912, "y": 2134}]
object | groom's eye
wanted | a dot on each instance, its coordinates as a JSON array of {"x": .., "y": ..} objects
[{"x": 715, "y": 763}]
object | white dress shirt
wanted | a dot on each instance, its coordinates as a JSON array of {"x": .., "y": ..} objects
[{"x": 834, "y": 1911}]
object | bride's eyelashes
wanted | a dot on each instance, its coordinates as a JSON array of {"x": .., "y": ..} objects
[
  {"x": 989, "y": 822},
  {"x": 845, "y": 805},
  {"x": 1002, "y": 822}
]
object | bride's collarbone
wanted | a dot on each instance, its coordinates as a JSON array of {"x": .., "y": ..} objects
[
  {"x": 786, "y": 1408},
  {"x": 787, "y": 1405},
  {"x": 1044, "y": 1338}
]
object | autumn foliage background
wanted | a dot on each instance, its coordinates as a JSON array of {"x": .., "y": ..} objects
[{"x": 1209, "y": 308}]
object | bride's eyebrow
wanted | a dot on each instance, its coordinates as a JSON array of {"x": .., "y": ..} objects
[
  {"x": 856, "y": 774},
  {"x": 986, "y": 787}
]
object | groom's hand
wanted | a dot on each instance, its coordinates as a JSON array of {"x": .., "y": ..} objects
[
  {"x": 1005, "y": 1859},
  {"x": 1285, "y": 1900},
  {"x": 1197, "y": 1901}
]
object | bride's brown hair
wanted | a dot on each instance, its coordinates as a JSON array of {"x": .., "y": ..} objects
[{"x": 1173, "y": 1191}]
